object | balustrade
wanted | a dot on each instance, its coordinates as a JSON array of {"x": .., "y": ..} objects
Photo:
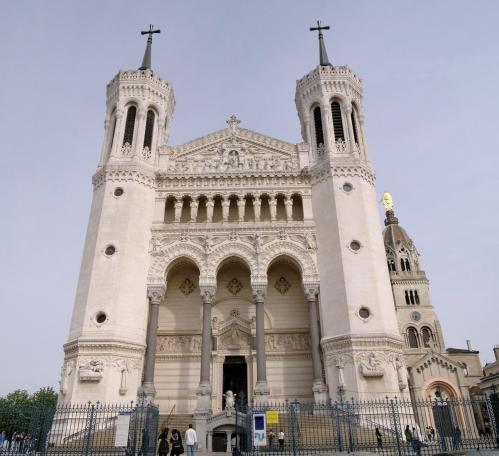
[{"x": 191, "y": 208}]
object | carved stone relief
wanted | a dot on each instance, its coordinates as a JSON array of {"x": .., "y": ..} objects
[
  {"x": 287, "y": 342},
  {"x": 91, "y": 371},
  {"x": 179, "y": 344},
  {"x": 187, "y": 287},
  {"x": 282, "y": 285}
]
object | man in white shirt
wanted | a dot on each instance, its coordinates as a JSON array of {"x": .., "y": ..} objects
[{"x": 191, "y": 440}]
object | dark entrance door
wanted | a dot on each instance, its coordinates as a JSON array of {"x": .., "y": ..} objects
[{"x": 235, "y": 377}]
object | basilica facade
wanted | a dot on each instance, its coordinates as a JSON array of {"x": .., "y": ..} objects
[{"x": 241, "y": 262}]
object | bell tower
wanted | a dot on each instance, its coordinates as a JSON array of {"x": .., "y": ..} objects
[
  {"x": 361, "y": 342},
  {"x": 107, "y": 339}
]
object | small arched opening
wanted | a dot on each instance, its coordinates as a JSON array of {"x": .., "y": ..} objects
[
  {"x": 185, "y": 215},
  {"x": 170, "y": 209},
  {"x": 297, "y": 212},
  {"x": 280, "y": 208}
]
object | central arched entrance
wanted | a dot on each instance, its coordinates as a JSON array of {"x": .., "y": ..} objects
[{"x": 235, "y": 377}]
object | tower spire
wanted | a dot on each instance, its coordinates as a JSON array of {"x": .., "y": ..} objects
[
  {"x": 146, "y": 61},
  {"x": 323, "y": 59}
]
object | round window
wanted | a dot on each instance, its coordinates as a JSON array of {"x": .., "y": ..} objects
[
  {"x": 364, "y": 313},
  {"x": 110, "y": 250},
  {"x": 355, "y": 246},
  {"x": 347, "y": 187},
  {"x": 101, "y": 317},
  {"x": 118, "y": 191},
  {"x": 416, "y": 316}
]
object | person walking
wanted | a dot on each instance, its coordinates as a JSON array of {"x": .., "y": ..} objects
[
  {"x": 416, "y": 441},
  {"x": 176, "y": 442},
  {"x": 271, "y": 440},
  {"x": 164, "y": 448},
  {"x": 281, "y": 440},
  {"x": 408, "y": 436},
  {"x": 191, "y": 440},
  {"x": 379, "y": 440}
]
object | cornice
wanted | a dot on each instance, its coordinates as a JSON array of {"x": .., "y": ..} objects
[
  {"x": 347, "y": 342},
  {"x": 330, "y": 168},
  {"x": 124, "y": 173},
  {"x": 243, "y": 179},
  {"x": 78, "y": 347}
]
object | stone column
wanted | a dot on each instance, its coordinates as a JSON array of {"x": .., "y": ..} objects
[
  {"x": 156, "y": 294},
  {"x": 210, "y": 204},
  {"x": 257, "y": 204},
  {"x": 241, "y": 202},
  {"x": 228, "y": 449},
  {"x": 351, "y": 137},
  {"x": 261, "y": 391},
  {"x": 288, "y": 204},
  {"x": 204, "y": 389},
  {"x": 116, "y": 140},
  {"x": 225, "y": 208},
  {"x": 178, "y": 210},
  {"x": 318, "y": 387},
  {"x": 327, "y": 126},
  {"x": 273, "y": 208},
  {"x": 194, "y": 210},
  {"x": 140, "y": 127}
]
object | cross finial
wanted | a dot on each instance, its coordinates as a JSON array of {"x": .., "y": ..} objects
[
  {"x": 233, "y": 123},
  {"x": 146, "y": 61},
  {"x": 323, "y": 59}
]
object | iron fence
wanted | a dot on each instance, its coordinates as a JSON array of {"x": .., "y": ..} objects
[
  {"x": 385, "y": 426},
  {"x": 86, "y": 429}
]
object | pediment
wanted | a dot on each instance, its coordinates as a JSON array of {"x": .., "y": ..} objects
[
  {"x": 231, "y": 150},
  {"x": 433, "y": 357}
]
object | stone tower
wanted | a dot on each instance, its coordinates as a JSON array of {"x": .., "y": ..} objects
[
  {"x": 361, "y": 341},
  {"x": 411, "y": 290},
  {"x": 107, "y": 339}
]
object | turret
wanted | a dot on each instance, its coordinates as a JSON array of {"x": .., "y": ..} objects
[
  {"x": 106, "y": 344},
  {"x": 360, "y": 336}
]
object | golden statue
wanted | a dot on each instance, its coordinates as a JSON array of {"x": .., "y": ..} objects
[{"x": 387, "y": 201}]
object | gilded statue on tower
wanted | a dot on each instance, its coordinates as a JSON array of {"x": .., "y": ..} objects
[{"x": 387, "y": 202}]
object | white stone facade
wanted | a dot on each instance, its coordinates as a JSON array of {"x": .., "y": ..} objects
[{"x": 234, "y": 259}]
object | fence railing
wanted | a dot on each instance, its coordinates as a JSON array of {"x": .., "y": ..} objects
[
  {"x": 385, "y": 426},
  {"x": 84, "y": 429}
]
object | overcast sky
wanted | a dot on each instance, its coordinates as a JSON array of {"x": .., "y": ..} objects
[{"x": 430, "y": 72}]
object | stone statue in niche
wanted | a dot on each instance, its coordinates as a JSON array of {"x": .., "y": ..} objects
[
  {"x": 310, "y": 241},
  {"x": 401, "y": 373},
  {"x": 91, "y": 371},
  {"x": 373, "y": 367},
  {"x": 230, "y": 400}
]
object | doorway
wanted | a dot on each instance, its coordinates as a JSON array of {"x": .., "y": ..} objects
[{"x": 235, "y": 378}]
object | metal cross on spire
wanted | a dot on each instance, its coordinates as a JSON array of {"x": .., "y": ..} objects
[
  {"x": 324, "y": 61},
  {"x": 146, "y": 61}
]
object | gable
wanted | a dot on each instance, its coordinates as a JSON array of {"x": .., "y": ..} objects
[{"x": 232, "y": 150}]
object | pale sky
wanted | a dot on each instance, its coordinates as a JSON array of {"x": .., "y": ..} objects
[{"x": 430, "y": 71}]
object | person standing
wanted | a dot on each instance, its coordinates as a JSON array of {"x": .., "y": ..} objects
[
  {"x": 281, "y": 440},
  {"x": 191, "y": 440},
  {"x": 379, "y": 440},
  {"x": 164, "y": 448},
  {"x": 408, "y": 436},
  {"x": 176, "y": 441}
]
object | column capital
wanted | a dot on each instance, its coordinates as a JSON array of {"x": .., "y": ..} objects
[
  {"x": 259, "y": 292},
  {"x": 311, "y": 291},
  {"x": 156, "y": 293},
  {"x": 207, "y": 293}
]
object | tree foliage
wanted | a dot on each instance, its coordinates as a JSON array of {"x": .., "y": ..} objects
[{"x": 17, "y": 408}]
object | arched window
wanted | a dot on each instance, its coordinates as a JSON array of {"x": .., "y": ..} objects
[
  {"x": 319, "y": 135},
  {"x": 353, "y": 116},
  {"x": 337, "y": 121},
  {"x": 129, "y": 125},
  {"x": 407, "y": 297},
  {"x": 411, "y": 295},
  {"x": 407, "y": 265},
  {"x": 111, "y": 137},
  {"x": 412, "y": 337},
  {"x": 427, "y": 337},
  {"x": 391, "y": 265},
  {"x": 402, "y": 264},
  {"x": 416, "y": 296},
  {"x": 149, "y": 129}
]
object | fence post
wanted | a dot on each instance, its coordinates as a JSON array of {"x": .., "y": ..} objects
[
  {"x": 294, "y": 426},
  {"x": 350, "y": 436},
  {"x": 336, "y": 421},
  {"x": 88, "y": 434},
  {"x": 395, "y": 419}
]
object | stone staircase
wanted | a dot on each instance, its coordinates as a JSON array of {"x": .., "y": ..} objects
[{"x": 176, "y": 421}]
